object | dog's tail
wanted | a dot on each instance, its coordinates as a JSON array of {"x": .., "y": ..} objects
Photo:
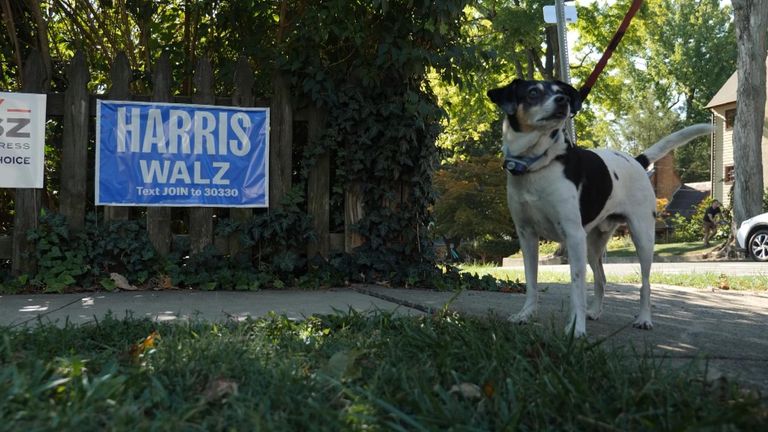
[{"x": 671, "y": 142}]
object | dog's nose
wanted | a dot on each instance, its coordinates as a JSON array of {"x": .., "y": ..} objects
[{"x": 561, "y": 99}]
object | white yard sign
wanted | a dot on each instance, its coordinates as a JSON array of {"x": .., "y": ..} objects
[{"x": 22, "y": 140}]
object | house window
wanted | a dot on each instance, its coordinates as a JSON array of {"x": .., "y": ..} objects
[
  {"x": 728, "y": 178},
  {"x": 730, "y": 118}
]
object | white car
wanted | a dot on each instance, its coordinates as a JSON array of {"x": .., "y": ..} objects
[{"x": 752, "y": 236}]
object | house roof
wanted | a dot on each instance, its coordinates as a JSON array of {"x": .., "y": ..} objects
[
  {"x": 685, "y": 200},
  {"x": 727, "y": 93}
]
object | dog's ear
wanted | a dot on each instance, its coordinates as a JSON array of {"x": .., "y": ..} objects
[
  {"x": 497, "y": 95},
  {"x": 504, "y": 97},
  {"x": 573, "y": 95}
]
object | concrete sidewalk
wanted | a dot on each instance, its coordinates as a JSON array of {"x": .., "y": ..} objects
[{"x": 729, "y": 329}]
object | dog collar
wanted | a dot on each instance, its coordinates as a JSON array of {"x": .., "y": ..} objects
[{"x": 517, "y": 165}]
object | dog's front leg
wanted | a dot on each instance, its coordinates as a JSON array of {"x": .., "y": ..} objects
[
  {"x": 576, "y": 243},
  {"x": 529, "y": 243}
]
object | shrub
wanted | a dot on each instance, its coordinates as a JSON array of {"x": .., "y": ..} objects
[
  {"x": 489, "y": 251},
  {"x": 687, "y": 230}
]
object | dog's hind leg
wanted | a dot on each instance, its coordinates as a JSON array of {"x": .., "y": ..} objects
[
  {"x": 529, "y": 243},
  {"x": 643, "y": 237},
  {"x": 596, "y": 241}
]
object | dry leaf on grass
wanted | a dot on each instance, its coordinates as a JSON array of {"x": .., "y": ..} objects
[
  {"x": 137, "y": 350},
  {"x": 467, "y": 390},
  {"x": 219, "y": 389}
]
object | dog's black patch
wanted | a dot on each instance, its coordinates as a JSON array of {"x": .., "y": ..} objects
[
  {"x": 643, "y": 160},
  {"x": 616, "y": 176},
  {"x": 586, "y": 169},
  {"x": 616, "y": 217},
  {"x": 554, "y": 133},
  {"x": 513, "y": 122}
]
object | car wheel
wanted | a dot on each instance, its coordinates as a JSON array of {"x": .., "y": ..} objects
[{"x": 758, "y": 245}]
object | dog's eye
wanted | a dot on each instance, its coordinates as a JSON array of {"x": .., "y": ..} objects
[{"x": 534, "y": 93}]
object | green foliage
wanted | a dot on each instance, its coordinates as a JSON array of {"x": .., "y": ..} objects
[
  {"x": 691, "y": 229},
  {"x": 765, "y": 200},
  {"x": 500, "y": 41},
  {"x": 672, "y": 60},
  {"x": 489, "y": 251},
  {"x": 471, "y": 201},
  {"x": 272, "y": 258},
  {"x": 84, "y": 258},
  {"x": 350, "y": 372},
  {"x": 365, "y": 63}
]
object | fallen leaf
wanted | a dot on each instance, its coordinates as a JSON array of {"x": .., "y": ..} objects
[
  {"x": 121, "y": 282},
  {"x": 138, "y": 349},
  {"x": 219, "y": 389},
  {"x": 342, "y": 365},
  {"x": 488, "y": 389},
  {"x": 723, "y": 282},
  {"x": 467, "y": 390}
]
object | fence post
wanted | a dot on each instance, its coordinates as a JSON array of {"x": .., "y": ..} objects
[
  {"x": 159, "y": 218},
  {"x": 75, "y": 143},
  {"x": 120, "y": 74},
  {"x": 243, "y": 96},
  {"x": 201, "y": 218},
  {"x": 280, "y": 140},
  {"x": 318, "y": 188},
  {"x": 27, "y": 201}
]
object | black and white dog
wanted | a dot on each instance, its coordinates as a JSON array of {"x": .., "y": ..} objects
[{"x": 574, "y": 196}]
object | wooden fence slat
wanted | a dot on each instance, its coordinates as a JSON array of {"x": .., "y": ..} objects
[
  {"x": 201, "y": 218},
  {"x": 280, "y": 140},
  {"x": 353, "y": 213},
  {"x": 75, "y": 144},
  {"x": 27, "y": 201},
  {"x": 318, "y": 189},
  {"x": 159, "y": 218},
  {"x": 243, "y": 96},
  {"x": 121, "y": 76}
]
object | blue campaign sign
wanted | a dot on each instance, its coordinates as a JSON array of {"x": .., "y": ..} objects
[{"x": 159, "y": 154}]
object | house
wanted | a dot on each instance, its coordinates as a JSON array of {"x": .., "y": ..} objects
[
  {"x": 682, "y": 197},
  {"x": 723, "y": 107}
]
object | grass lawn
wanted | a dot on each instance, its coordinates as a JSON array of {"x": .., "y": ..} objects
[
  {"x": 698, "y": 280},
  {"x": 349, "y": 372},
  {"x": 623, "y": 247}
]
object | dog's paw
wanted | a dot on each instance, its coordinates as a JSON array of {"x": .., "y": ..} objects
[
  {"x": 579, "y": 333},
  {"x": 594, "y": 312},
  {"x": 523, "y": 317},
  {"x": 519, "y": 318},
  {"x": 577, "y": 327},
  {"x": 644, "y": 324}
]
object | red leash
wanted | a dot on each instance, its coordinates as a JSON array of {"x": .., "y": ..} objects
[{"x": 587, "y": 87}]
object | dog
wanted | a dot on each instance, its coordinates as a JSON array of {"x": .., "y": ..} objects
[{"x": 575, "y": 196}]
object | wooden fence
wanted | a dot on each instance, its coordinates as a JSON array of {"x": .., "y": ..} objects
[{"x": 76, "y": 107}]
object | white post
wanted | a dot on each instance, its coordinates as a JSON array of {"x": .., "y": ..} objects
[{"x": 565, "y": 70}]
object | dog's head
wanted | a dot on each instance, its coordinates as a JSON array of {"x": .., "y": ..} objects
[{"x": 536, "y": 105}]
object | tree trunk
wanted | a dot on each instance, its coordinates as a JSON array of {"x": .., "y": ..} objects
[{"x": 751, "y": 20}]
